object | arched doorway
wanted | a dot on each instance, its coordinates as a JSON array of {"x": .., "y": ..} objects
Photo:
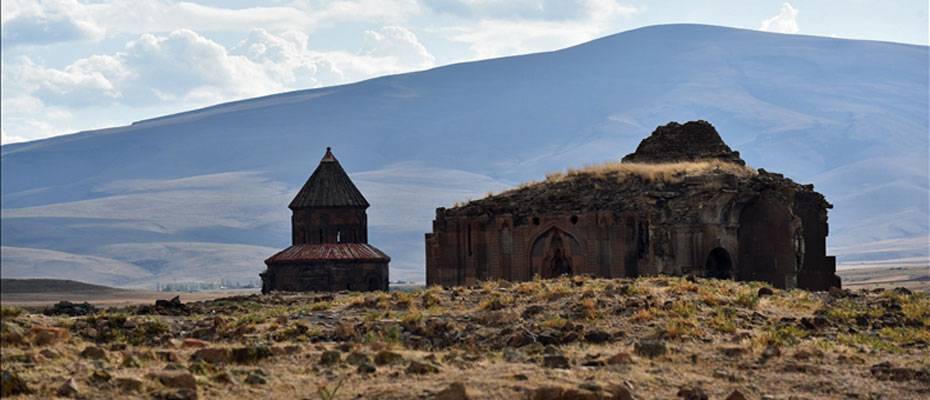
[
  {"x": 719, "y": 265},
  {"x": 556, "y": 253}
]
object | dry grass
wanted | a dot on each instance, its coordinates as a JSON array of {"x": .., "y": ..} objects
[
  {"x": 474, "y": 335},
  {"x": 664, "y": 172}
]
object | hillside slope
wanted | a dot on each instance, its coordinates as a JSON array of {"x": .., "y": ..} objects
[{"x": 849, "y": 116}]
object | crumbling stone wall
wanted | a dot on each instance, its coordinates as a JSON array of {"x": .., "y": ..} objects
[{"x": 754, "y": 225}]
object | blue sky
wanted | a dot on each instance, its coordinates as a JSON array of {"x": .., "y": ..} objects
[{"x": 70, "y": 65}]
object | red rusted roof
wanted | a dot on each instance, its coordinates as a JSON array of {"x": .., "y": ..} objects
[{"x": 329, "y": 252}]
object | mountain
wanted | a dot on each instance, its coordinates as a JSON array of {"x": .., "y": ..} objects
[{"x": 203, "y": 195}]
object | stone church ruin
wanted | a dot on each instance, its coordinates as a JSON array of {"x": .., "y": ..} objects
[
  {"x": 682, "y": 203},
  {"x": 329, "y": 239}
]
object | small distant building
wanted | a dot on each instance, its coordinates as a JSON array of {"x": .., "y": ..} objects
[
  {"x": 329, "y": 239},
  {"x": 683, "y": 204}
]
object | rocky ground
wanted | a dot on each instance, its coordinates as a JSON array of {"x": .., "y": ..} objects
[{"x": 572, "y": 338}]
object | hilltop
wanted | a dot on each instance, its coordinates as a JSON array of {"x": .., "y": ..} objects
[
  {"x": 583, "y": 338},
  {"x": 10, "y": 286}
]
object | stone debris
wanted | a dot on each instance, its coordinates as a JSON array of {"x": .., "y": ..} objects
[
  {"x": 650, "y": 348},
  {"x": 71, "y": 309},
  {"x": 94, "y": 352},
  {"x": 69, "y": 389}
]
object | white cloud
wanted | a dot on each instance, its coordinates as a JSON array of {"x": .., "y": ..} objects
[
  {"x": 551, "y": 10},
  {"x": 46, "y": 22},
  {"x": 785, "y": 22},
  {"x": 184, "y": 69},
  {"x": 400, "y": 44},
  {"x": 507, "y": 33}
]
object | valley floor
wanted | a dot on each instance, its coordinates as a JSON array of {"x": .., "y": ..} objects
[{"x": 579, "y": 338}]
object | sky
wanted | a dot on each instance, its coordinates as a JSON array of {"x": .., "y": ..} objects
[{"x": 70, "y": 65}]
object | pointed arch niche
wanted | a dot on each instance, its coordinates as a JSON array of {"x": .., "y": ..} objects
[{"x": 555, "y": 253}]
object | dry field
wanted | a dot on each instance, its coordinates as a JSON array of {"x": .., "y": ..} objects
[
  {"x": 577, "y": 338},
  {"x": 869, "y": 276}
]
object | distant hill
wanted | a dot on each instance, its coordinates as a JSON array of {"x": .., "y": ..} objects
[
  {"x": 202, "y": 195},
  {"x": 11, "y": 286}
]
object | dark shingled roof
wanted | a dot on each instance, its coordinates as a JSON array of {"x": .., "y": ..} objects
[
  {"x": 329, "y": 252},
  {"x": 329, "y": 186}
]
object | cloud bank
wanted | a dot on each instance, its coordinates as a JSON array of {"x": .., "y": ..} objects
[{"x": 785, "y": 22}]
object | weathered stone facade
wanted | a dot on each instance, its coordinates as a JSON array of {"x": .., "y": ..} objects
[
  {"x": 329, "y": 236},
  {"x": 684, "y": 203}
]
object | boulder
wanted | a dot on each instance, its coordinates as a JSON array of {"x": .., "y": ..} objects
[{"x": 455, "y": 391}]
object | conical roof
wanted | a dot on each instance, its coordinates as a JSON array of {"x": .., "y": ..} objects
[{"x": 329, "y": 186}]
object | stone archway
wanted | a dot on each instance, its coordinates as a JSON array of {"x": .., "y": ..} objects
[
  {"x": 555, "y": 253},
  {"x": 719, "y": 264}
]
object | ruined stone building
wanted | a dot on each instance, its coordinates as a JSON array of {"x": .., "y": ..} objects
[
  {"x": 683, "y": 203},
  {"x": 329, "y": 239}
]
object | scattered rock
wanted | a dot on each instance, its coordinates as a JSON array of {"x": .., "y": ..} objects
[
  {"x": 357, "y": 358},
  {"x": 11, "y": 384},
  {"x": 621, "y": 358},
  {"x": 532, "y": 310},
  {"x": 556, "y": 361},
  {"x": 385, "y": 357},
  {"x": 168, "y": 356},
  {"x": 250, "y": 354},
  {"x": 366, "y": 368},
  {"x": 455, "y": 391},
  {"x": 128, "y": 384},
  {"x": 650, "y": 348},
  {"x": 886, "y": 371},
  {"x": 212, "y": 355},
  {"x": 46, "y": 335},
  {"x": 330, "y": 357},
  {"x": 170, "y": 307},
  {"x": 255, "y": 379},
  {"x": 737, "y": 395},
  {"x": 597, "y": 336},
  {"x": 180, "y": 394},
  {"x": 619, "y": 392},
  {"x": 176, "y": 379},
  {"x": 69, "y": 389},
  {"x": 692, "y": 393},
  {"x": 99, "y": 377},
  {"x": 560, "y": 393},
  {"x": 94, "y": 353},
  {"x": 421, "y": 368},
  {"x": 769, "y": 353},
  {"x": 765, "y": 291},
  {"x": 130, "y": 361},
  {"x": 224, "y": 377},
  {"x": 733, "y": 351},
  {"x": 50, "y": 354},
  {"x": 70, "y": 309}
]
